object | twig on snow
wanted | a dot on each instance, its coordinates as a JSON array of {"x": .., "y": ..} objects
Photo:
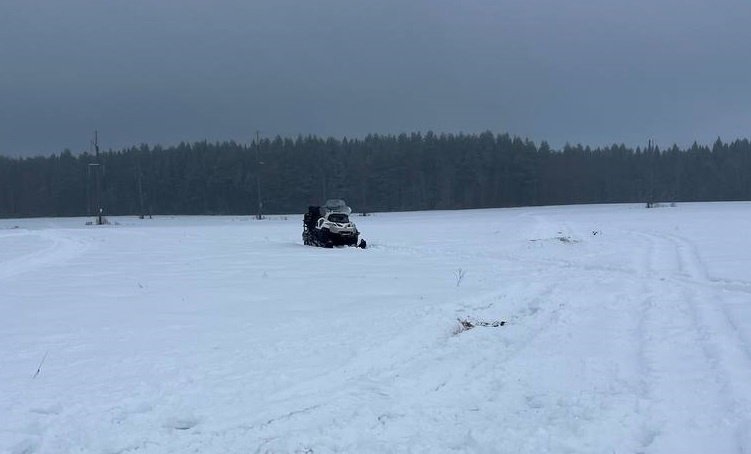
[
  {"x": 39, "y": 369},
  {"x": 459, "y": 274}
]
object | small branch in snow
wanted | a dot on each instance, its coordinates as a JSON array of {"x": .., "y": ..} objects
[
  {"x": 466, "y": 324},
  {"x": 39, "y": 369},
  {"x": 289, "y": 415},
  {"x": 459, "y": 274}
]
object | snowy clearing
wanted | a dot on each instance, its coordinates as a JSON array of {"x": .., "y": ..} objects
[{"x": 627, "y": 330}]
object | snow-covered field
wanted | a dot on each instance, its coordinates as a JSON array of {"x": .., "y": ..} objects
[{"x": 627, "y": 330}]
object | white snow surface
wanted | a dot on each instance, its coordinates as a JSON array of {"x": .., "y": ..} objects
[{"x": 627, "y": 330}]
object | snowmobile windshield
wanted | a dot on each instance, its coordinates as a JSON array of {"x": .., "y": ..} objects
[
  {"x": 339, "y": 218},
  {"x": 337, "y": 206}
]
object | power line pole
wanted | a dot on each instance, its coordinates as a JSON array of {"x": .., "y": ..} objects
[
  {"x": 651, "y": 202},
  {"x": 98, "y": 169},
  {"x": 140, "y": 186},
  {"x": 259, "y": 163}
]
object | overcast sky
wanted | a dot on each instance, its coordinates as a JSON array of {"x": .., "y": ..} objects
[{"x": 589, "y": 71}]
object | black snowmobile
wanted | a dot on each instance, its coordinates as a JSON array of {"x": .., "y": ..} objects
[{"x": 329, "y": 225}]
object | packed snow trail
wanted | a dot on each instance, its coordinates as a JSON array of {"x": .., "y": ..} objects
[
  {"x": 24, "y": 251},
  {"x": 627, "y": 330},
  {"x": 693, "y": 403}
]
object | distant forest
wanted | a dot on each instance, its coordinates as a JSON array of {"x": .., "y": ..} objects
[{"x": 378, "y": 173}]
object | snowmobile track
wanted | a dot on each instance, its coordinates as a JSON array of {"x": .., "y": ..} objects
[{"x": 59, "y": 249}]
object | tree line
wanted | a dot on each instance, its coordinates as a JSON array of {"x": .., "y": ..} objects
[{"x": 376, "y": 173}]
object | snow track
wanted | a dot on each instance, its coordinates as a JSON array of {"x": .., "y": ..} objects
[
  {"x": 627, "y": 331},
  {"x": 696, "y": 361},
  {"x": 28, "y": 251}
]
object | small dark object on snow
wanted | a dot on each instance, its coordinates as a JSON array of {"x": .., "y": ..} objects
[
  {"x": 39, "y": 369},
  {"x": 660, "y": 205},
  {"x": 467, "y": 324}
]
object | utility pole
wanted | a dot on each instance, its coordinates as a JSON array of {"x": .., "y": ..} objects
[
  {"x": 259, "y": 163},
  {"x": 651, "y": 201},
  {"x": 98, "y": 169},
  {"x": 140, "y": 186},
  {"x": 323, "y": 161}
]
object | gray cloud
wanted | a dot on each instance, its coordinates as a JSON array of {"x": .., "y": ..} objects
[{"x": 591, "y": 71}]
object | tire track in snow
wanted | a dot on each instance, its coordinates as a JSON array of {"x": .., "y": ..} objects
[
  {"x": 679, "y": 353},
  {"x": 692, "y": 261},
  {"x": 61, "y": 250},
  {"x": 683, "y": 276},
  {"x": 385, "y": 383},
  {"x": 649, "y": 428},
  {"x": 723, "y": 340},
  {"x": 692, "y": 391},
  {"x": 639, "y": 427}
]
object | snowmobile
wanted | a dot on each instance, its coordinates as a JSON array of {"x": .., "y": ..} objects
[{"x": 329, "y": 225}]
